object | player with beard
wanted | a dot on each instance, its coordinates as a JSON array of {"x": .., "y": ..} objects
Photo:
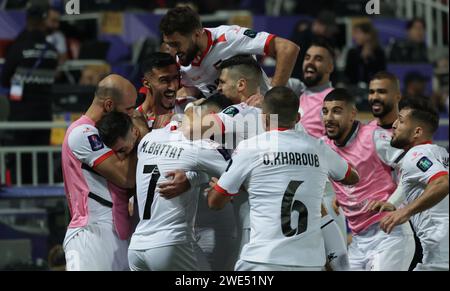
[
  {"x": 201, "y": 50},
  {"x": 384, "y": 96},
  {"x": 162, "y": 80},
  {"x": 424, "y": 179},
  {"x": 317, "y": 68},
  {"x": 371, "y": 248}
]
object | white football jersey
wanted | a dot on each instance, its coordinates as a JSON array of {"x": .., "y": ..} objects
[
  {"x": 167, "y": 222},
  {"x": 284, "y": 173},
  {"x": 421, "y": 165},
  {"x": 224, "y": 42},
  {"x": 240, "y": 122}
]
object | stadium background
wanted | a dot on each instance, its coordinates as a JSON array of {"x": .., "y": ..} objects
[{"x": 113, "y": 36}]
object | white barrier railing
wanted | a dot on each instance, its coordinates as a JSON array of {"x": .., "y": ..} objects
[{"x": 16, "y": 152}]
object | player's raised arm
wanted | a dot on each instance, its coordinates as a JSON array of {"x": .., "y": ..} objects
[{"x": 285, "y": 52}]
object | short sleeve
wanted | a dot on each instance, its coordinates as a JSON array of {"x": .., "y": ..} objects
[
  {"x": 85, "y": 143},
  {"x": 422, "y": 167},
  {"x": 248, "y": 41},
  {"x": 388, "y": 154},
  {"x": 238, "y": 170},
  {"x": 338, "y": 168}
]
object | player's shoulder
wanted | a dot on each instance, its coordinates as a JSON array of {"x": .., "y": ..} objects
[
  {"x": 420, "y": 156},
  {"x": 241, "y": 109}
]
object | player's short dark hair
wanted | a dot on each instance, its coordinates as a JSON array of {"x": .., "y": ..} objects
[
  {"x": 219, "y": 100},
  {"x": 284, "y": 102},
  {"x": 157, "y": 60},
  {"x": 246, "y": 66},
  {"x": 112, "y": 126},
  {"x": 384, "y": 75},
  {"x": 411, "y": 22},
  {"x": 422, "y": 111},
  {"x": 322, "y": 42},
  {"x": 340, "y": 94},
  {"x": 180, "y": 19}
]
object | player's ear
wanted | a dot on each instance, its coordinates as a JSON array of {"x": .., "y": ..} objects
[
  {"x": 241, "y": 85},
  {"x": 108, "y": 105}
]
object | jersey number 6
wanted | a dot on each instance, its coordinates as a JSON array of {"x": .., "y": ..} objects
[{"x": 287, "y": 207}]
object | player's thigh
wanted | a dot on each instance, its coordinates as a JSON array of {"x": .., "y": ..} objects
[
  {"x": 394, "y": 251},
  {"x": 83, "y": 252},
  {"x": 136, "y": 260},
  {"x": 181, "y": 257}
]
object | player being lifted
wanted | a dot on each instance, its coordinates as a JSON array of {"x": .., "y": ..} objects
[{"x": 285, "y": 180}]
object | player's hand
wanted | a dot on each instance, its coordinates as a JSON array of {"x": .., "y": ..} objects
[
  {"x": 175, "y": 186},
  {"x": 393, "y": 219},
  {"x": 380, "y": 206},
  {"x": 255, "y": 100},
  {"x": 335, "y": 205},
  {"x": 213, "y": 182}
]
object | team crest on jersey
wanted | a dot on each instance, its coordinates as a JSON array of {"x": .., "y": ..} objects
[
  {"x": 424, "y": 164},
  {"x": 231, "y": 111},
  {"x": 96, "y": 142},
  {"x": 250, "y": 33}
]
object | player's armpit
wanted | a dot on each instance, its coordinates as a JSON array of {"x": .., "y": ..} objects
[
  {"x": 351, "y": 177},
  {"x": 120, "y": 172}
]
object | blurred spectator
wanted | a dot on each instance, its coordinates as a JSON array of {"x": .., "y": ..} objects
[
  {"x": 55, "y": 36},
  {"x": 413, "y": 49},
  {"x": 92, "y": 75},
  {"x": 324, "y": 26},
  {"x": 440, "y": 98},
  {"x": 415, "y": 85},
  {"x": 29, "y": 72},
  {"x": 367, "y": 58}
]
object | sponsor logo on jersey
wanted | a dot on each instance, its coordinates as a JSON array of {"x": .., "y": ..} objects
[
  {"x": 250, "y": 33},
  {"x": 96, "y": 142},
  {"x": 231, "y": 111},
  {"x": 424, "y": 164}
]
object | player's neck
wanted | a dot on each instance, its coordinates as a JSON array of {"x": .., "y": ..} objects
[
  {"x": 388, "y": 120},
  {"x": 94, "y": 112},
  {"x": 422, "y": 141},
  {"x": 203, "y": 43}
]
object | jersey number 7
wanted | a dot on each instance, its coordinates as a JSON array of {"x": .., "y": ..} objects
[
  {"x": 154, "y": 171},
  {"x": 287, "y": 207}
]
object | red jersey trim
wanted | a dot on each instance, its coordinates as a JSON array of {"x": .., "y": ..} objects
[
  {"x": 223, "y": 191},
  {"x": 348, "y": 173},
  {"x": 221, "y": 38},
  {"x": 280, "y": 129},
  {"x": 102, "y": 158},
  {"x": 268, "y": 41},
  {"x": 426, "y": 142},
  {"x": 220, "y": 121},
  {"x": 196, "y": 63},
  {"x": 438, "y": 175}
]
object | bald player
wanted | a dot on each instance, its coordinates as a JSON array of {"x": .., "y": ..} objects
[{"x": 95, "y": 182}]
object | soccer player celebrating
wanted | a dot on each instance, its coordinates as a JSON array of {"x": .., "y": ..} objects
[
  {"x": 98, "y": 233},
  {"x": 285, "y": 180},
  {"x": 201, "y": 50},
  {"x": 363, "y": 146},
  {"x": 424, "y": 183}
]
